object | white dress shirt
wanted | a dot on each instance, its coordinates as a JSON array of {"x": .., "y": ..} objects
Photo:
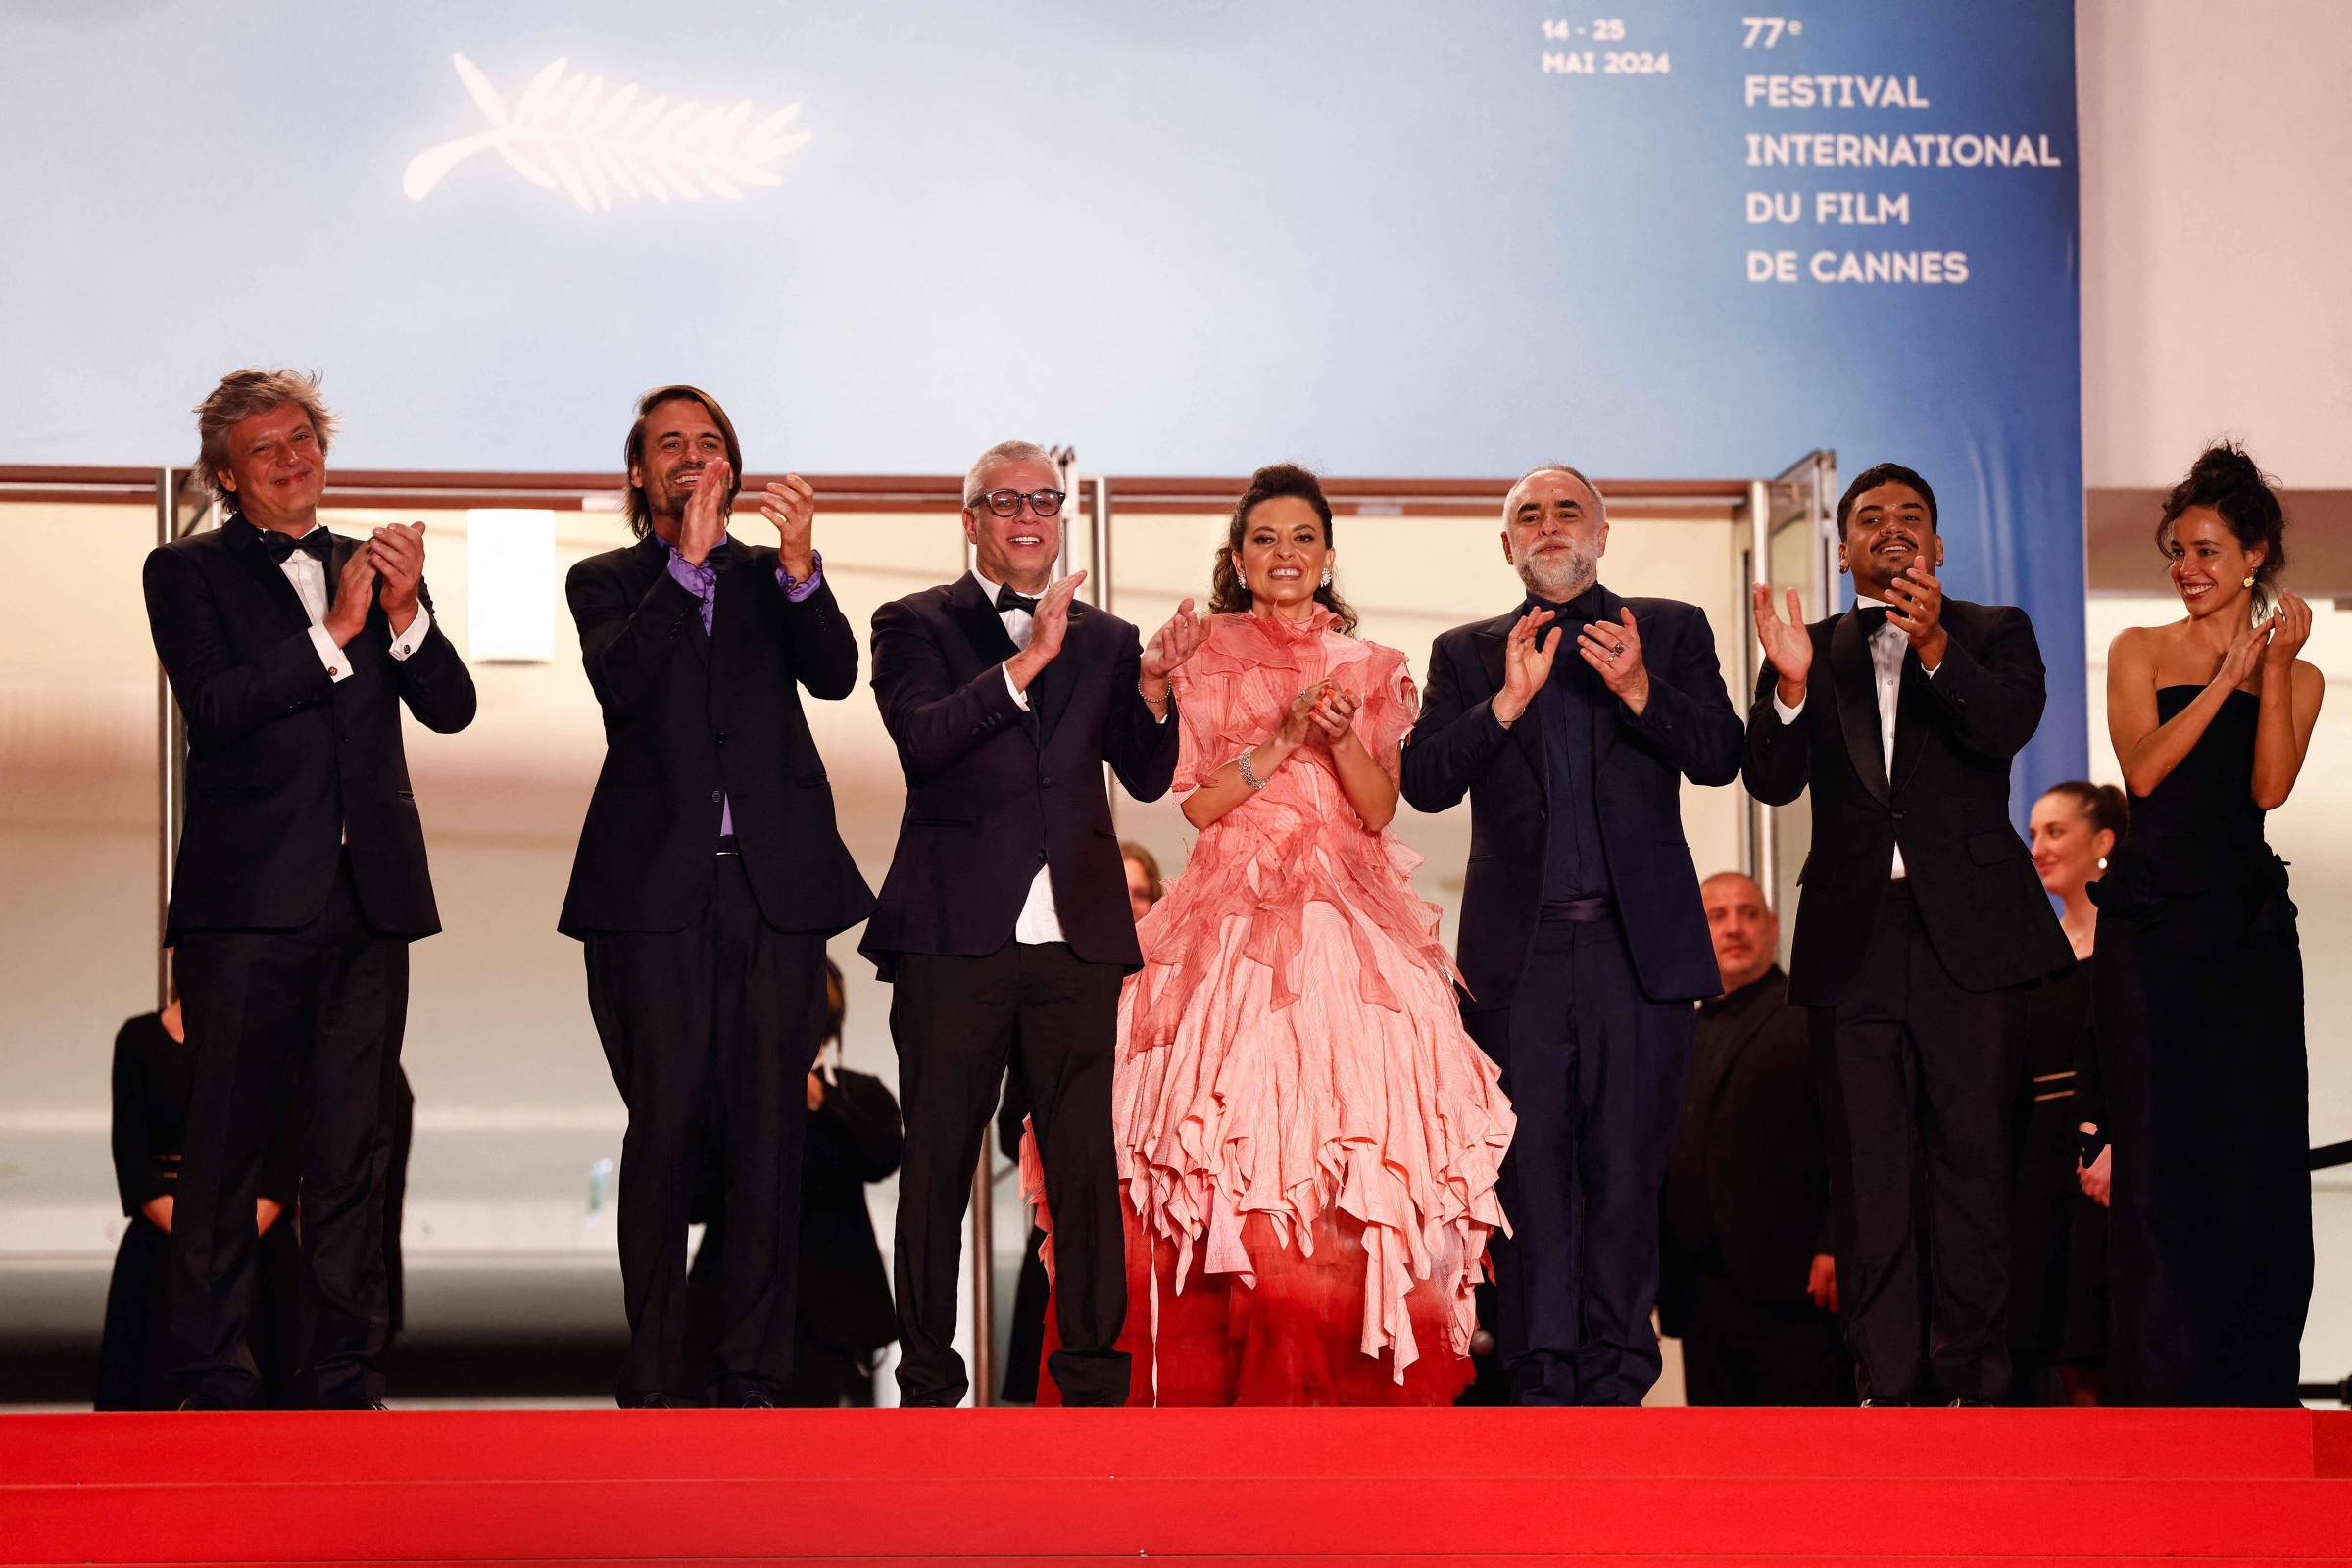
[
  {"x": 308, "y": 574},
  {"x": 1886, "y": 648}
]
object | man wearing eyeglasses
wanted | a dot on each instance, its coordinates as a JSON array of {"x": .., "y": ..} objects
[{"x": 1004, "y": 922}]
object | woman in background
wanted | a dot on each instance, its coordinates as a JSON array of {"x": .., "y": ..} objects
[
  {"x": 1309, "y": 1139},
  {"x": 154, "y": 1077},
  {"x": 2057, "y": 1313},
  {"x": 2198, "y": 974}
]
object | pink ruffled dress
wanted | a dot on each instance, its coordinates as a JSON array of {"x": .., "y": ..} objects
[{"x": 1308, "y": 1138}]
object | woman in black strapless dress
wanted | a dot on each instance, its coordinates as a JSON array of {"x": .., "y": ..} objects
[{"x": 2197, "y": 974}]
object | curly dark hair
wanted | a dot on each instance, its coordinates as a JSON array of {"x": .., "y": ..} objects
[
  {"x": 1227, "y": 592},
  {"x": 1877, "y": 474},
  {"x": 2228, "y": 481}
]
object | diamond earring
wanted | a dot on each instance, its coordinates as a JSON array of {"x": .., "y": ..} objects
[
  {"x": 1327, "y": 577},
  {"x": 2248, "y": 583}
]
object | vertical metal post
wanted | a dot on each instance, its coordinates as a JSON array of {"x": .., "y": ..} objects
[
  {"x": 1099, "y": 514},
  {"x": 1763, "y": 839},
  {"x": 984, "y": 1274}
]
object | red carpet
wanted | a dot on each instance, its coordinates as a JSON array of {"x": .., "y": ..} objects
[{"x": 1653, "y": 1486}]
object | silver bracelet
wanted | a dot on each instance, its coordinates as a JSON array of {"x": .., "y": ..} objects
[{"x": 1248, "y": 773}]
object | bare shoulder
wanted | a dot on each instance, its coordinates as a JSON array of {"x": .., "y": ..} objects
[
  {"x": 2136, "y": 645},
  {"x": 2309, "y": 681}
]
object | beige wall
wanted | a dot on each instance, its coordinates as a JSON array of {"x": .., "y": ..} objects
[{"x": 2216, "y": 136}]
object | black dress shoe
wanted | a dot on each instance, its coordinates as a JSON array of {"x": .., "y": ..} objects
[
  {"x": 201, "y": 1401},
  {"x": 1971, "y": 1405},
  {"x": 755, "y": 1399},
  {"x": 657, "y": 1401},
  {"x": 1886, "y": 1404}
]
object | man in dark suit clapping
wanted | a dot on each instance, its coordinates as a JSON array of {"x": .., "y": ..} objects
[
  {"x": 300, "y": 878},
  {"x": 710, "y": 873},
  {"x": 1583, "y": 944},
  {"x": 1004, "y": 922},
  {"x": 1921, "y": 919},
  {"x": 1747, "y": 1282}
]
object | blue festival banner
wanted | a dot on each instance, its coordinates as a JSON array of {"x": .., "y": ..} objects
[{"x": 1673, "y": 239}]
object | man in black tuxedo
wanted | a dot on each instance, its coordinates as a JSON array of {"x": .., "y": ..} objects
[
  {"x": 1004, "y": 922},
  {"x": 1921, "y": 918},
  {"x": 1583, "y": 944},
  {"x": 1747, "y": 1282},
  {"x": 708, "y": 875},
  {"x": 300, "y": 878}
]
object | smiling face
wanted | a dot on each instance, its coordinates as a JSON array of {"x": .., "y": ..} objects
[
  {"x": 1553, "y": 534},
  {"x": 2209, "y": 567},
  {"x": 1746, "y": 932},
  {"x": 275, "y": 468},
  {"x": 681, "y": 439},
  {"x": 1888, "y": 528},
  {"x": 2067, "y": 846},
  {"x": 1283, "y": 555},
  {"x": 1016, "y": 552}
]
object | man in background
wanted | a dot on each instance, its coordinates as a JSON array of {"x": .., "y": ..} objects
[{"x": 1747, "y": 1280}]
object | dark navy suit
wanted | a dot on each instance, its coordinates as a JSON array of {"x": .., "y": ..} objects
[{"x": 1583, "y": 945}]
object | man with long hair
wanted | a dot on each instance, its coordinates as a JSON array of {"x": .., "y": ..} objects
[{"x": 710, "y": 873}]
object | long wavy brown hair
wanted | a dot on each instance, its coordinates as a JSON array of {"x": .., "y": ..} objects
[{"x": 1227, "y": 592}]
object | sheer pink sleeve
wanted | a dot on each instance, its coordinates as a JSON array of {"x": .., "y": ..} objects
[
  {"x": 1391, "y": 704},
  {"x": 1198, "y": 753}
]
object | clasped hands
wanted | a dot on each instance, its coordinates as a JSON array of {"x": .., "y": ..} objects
[
  {"x": 1612, "y": 648},
  {"x": 789, "y": 503},
  {"x": 389, "y": 569}
]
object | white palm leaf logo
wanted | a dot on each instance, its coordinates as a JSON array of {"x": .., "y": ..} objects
[{"x": 568, "y": 134}]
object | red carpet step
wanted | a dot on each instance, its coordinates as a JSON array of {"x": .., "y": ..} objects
[{"x": 1790, "y": 1489}]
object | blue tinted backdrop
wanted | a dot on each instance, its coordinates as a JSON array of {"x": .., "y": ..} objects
[{"x": 1387, "y": 238}]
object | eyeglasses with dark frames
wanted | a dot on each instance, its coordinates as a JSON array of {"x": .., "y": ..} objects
[{"x": 1008, "y": 502}]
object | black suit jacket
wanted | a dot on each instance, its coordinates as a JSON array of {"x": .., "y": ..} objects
[
  {"x": 853, "y": 1139},
  {"x": 690, "y": 718},
  {"x": 1750, "y": 1166},
  {"x": 283, "y": 760},
  {"x": 994, "y": 792},
  {"x": 1689, "y": 729},
  {"x": 1947, "y": 803}
]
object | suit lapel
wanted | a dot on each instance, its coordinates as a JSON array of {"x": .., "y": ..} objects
[
  {"x": 1856, "y": 688},
  {"x": 246, "y": 546},
  {"x": 977, "y": 617},
  {"x": 1910, "y": 718},
  {"x": 1489, "y": 637},
  {"x": 1604, "y": 704},
  {"x": 1055, "y": 682}
]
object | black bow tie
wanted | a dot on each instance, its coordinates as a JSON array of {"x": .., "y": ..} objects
[
  {"x": 1006, "y": 599},
  {"x": 1871, "y": 617},
  {"x": 318, "y": 542}
]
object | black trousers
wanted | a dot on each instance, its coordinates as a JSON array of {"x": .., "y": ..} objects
[
  {"x": 714, "y": 1015},
  {"x": 324, "y": 1005},
  {"x": 957, "y": 1021},
  {"x": 1740, "y": 1349},
  {"x": 1919, "y": 1075},
  {"x": 1595, "y": 1071}
]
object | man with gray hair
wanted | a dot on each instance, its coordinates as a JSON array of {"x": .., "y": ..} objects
[
  {"x": 1004, "y": 922},
  {"x": 300, "y": 878},
  {"x": 1582, "y": 943}
]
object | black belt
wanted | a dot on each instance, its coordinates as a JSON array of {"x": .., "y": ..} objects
[
  {"x": 1580, "y": 911},
  {"x": 728, "y": 845}
]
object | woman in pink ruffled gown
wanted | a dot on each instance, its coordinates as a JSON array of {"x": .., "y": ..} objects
[{"x": 1308, "y": 1138}]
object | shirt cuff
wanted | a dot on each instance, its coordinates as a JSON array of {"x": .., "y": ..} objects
[
  {"x": 1787, "y": 715},
  {"x": 1019, "y": 697},
  {"x": 338, "y": 667},
  {"x": 408, "y": 642},
  {"x": 695, "y": 579},
  {"x": 797, "y": 589}
]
